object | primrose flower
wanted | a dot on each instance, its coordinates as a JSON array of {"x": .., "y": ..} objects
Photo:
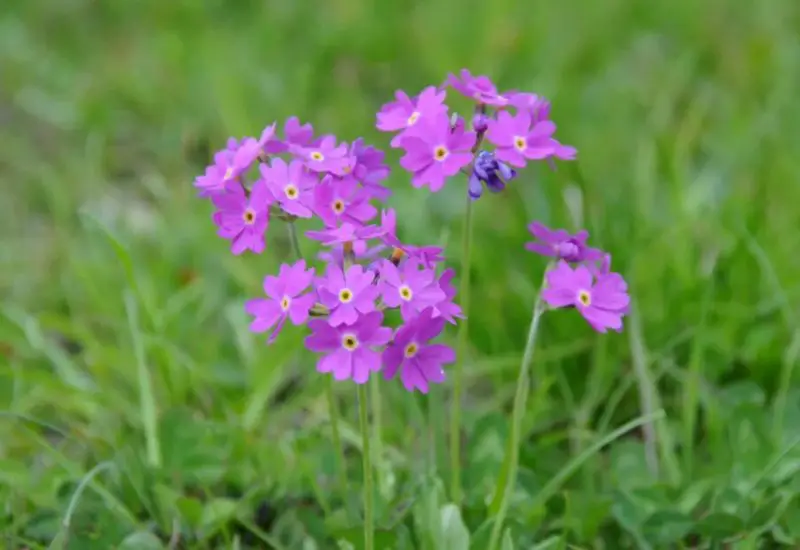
[
  {"x": 347, "y": 293},
  {"x": 339, "y": 200},
  {"x": 537, "y": 106},
  {"x": 428, "y": 256},
  {"x": 410, "y": 287},
  {"x": 487, "y": 169},
  {"x": 291, "y": 184},
  {"x": 349, "y": 348},
  {"x": 242, "y": 219},
  {"x": 602, "y": 301},
  {"x": 285, "y": 300},
  {"x": 404, "y": 113},
  {"x": 420, "y": 362},
  {"x": 519, "y": 139},
  {"x": 369, "y": 169},
  {"x": 325, "y": 155},
  {"x": 345, "y": 233},
  {"x": 447, "y": 309},
  {"x": 436, "y": 151},
  {"x": 561, "y": 245},
  {"x": 478, "y": 88}
]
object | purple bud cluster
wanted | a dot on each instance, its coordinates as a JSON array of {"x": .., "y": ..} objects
[{"x": 367, "y": 269}]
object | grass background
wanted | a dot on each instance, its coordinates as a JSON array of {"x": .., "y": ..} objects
[{"x": 685, "y": 116}]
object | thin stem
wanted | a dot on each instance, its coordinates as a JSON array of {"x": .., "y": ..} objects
[
  {"x": 295, "y": 242},
  {"x": 367, "y": 466},
  {"x": 377, "y": 424},
  {"x": 333, "y": 413},
  {"x": 505, "y": 487},
  {"x": 461, "y": 350}
]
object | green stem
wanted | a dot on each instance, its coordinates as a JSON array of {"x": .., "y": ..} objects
[
  {"x": 295, "y": 242},
  {"x": 333, "y": 413},
  {"x": 377, "y": 447},
  {"x": 505, "y": 487},
  {"x": 461, "y": 350},
  {"x": 367, "y": 466}
]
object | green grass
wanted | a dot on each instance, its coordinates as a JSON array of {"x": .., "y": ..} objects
[{"x": 137, "y": 411}]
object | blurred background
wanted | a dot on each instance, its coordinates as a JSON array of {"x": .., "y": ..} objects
[{"x": 685, "y": 117}]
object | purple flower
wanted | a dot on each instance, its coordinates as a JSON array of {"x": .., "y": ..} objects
[
  {"x": 560, "y": 244},
  {"x": 369, "y": 169},
  {"x": 338, "y": 200},
  {"x": 420, "y": 362},
  {"x": 429, "y": 256},
  {"x": 347, "y": 293},
  {"x": 447, "y": 309},
  {"x": 434, "y": 152},
  {"x": 602, "y": 302},
  {"x": 212, "y": 181},
  {"x": 410, "y": 287},
  {"x": 519, "y": 139},
  {"x": 489, "y": 170},
  {"x": 241, "y": 219},
  {"x": 538, "y": 107},
  {"x": 404, "y": 113},
  {"x": 345, "y": 233},
  {"x": 296, "y": 136},
  {"x": 479, "y": 88},
  {"x": 291, "y": 185},
  {"x": 325, "y": 155},
  {"x": 285, "y": 299},
  {"x": 348, "y": 348}
]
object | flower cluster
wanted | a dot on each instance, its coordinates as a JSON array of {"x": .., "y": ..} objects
[{"x": 367, "y": 269}]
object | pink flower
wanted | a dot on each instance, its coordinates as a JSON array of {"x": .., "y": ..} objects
[
  {"x": 325, "y": 155},
  {"x": 434, "y": 152},
  {"x": 243, "y": 220},
  {"x": 292, "y": 186},
  {"x": 338, "y": 200},
  {"x": 478, "y": 88},
  {"x": 404, "y": 113},
  {"x": 347, "y": 293}
]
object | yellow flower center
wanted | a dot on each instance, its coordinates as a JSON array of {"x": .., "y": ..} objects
[
  {"x": 291, "y": 191},
  {"x": 585, "y": 298},
  {"x": 411, "y": 350},
  {"x": 440, "y": 153},
  {"x": 338, "y": 206},
  {"x": 405, "y": 293},
  {"x": 520, "y": 143},
  {"x": 249, "y": 216},
  {"x": 228, "y": 173},
  {"x": 345, "y": 295},
  {"x": 285, "y": 303},
  {"x": 412, "y": 119},
  {"x": 317, "y": 156},
  {"x": 349, "y": 342}
]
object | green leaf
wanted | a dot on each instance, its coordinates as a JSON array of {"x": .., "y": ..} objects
[
  {"x": 719, "y": 526},
  {"x": 765, "y": 514},
  {"x": 141, "y": 540},
  {"x": 353, "y": 537},
  {"x": 455, "y": 535},
  {"x": 217, "y": 511},
  {"x": 666, "y": 527},
  {"x": 507, "y": 544}
]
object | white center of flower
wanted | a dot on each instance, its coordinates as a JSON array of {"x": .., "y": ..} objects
[
  {"x": 410, "y": 350},
  {"x": 349, "y": 342},
  {"x": 440, "y": 153},
  {"x": 317, "y": 156},
  {"x": 520, "y": 143},
  {"x": 291, "y": 191},
  {"x": 585, "y": 298},
  {"x": 228, "y": 173},
  {"x": 345, "y": 295},
  {"x": 412, "y": 119},
  {"x": 285, "y": 303},
  {"x": 249, "y": 216},
  {"x": 405, "y": 293}
]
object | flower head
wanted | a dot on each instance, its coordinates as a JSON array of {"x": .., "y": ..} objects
[
  {"x": 447, "y": 309},
  {"x": 242, "y": 219},
  {"x": 324, "y": 155},
  {"x": 419, "y": 361},
  {"x": 436, "y": 151},
  {"x": 537, "y": 106},
  {"x": 345, "y": 233},
  {"x": 286, "y": 299},
  {"x": 404, "y": 113},
  {"x": 349, "y": 348},
  {"x": 292, "y": 186},
  {"x": 428, "y": 256},
  {"x": 369, "y": 169},
  {"x": 519, "y": 139},
  {"x": 347, "y": 293},
  {"x": 487, "y": 169},
  {"x": 602, "y": 301},
  {"x": 338, "y": 200},
  {"x": 560, "y": 244},
  {"x": 478, "y": 88},
  {"x": 411, "y": 287}
]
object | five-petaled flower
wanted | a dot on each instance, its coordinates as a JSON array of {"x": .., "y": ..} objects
[
  {"x": 561, "y": 245},
  {"x": 411, "y": 287},
  {"x": 242, "y": 219},
  {"x": 347, "y": 293},
  {"x": 403, "y": 114}
]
